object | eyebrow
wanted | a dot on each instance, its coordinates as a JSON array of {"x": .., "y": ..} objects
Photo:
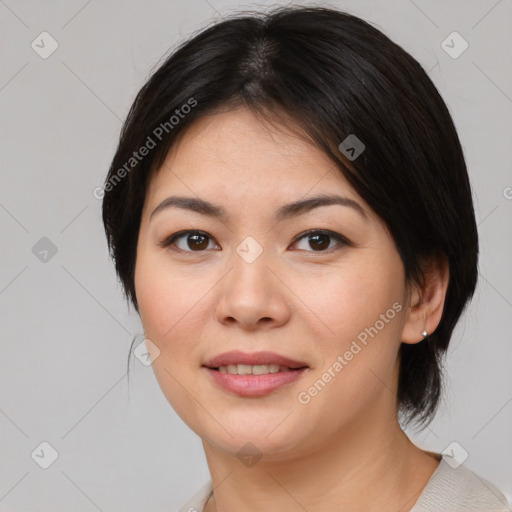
[{"x": 284, "y": 212}]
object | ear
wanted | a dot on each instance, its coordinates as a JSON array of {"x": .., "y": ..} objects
[{"x": 426, "y": 302}]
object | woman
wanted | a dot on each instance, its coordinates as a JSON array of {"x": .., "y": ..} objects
[{"x": 289, "y": 212}]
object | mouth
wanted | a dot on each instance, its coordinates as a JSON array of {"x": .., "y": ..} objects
[
  {"x": 255, "y": 374},
  {"x": 257, "y": 369},
  {"x": 266, "y": 362}
]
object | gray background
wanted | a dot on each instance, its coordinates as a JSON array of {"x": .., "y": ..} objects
[{"x": 65, "y": 327}]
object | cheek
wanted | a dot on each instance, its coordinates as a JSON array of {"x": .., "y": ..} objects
[
  {"x": 173, "y": 311},
  {"x": 357, "y": 333},
  {"x": 169, "y": 303},
  {"x": 351, "y": 299}
]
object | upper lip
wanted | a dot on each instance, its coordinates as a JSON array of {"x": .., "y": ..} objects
[{"x": 253, "y": 358}]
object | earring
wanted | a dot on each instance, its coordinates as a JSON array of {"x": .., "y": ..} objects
[{"x": 424, "y": 333}]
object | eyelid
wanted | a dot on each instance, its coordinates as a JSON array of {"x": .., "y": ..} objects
[{"x": 341, "y": 239}]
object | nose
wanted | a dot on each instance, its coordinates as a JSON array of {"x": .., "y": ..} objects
[{"x": 253, "y": 296}]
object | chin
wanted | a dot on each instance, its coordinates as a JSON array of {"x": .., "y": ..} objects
[{"x": 264, "y": 442}]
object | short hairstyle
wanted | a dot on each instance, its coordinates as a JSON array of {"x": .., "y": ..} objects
[{"x": 329, "y": 74}]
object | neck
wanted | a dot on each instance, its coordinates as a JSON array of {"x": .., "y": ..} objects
[{"x": 369, "y": 465}]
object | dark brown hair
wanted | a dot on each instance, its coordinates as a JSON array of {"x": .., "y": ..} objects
[{"x": 332, "y": 74}]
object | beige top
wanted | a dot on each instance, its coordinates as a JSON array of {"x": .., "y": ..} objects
[{"x": 451, "y": 488}]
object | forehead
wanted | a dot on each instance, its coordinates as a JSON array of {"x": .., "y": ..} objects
[{"x": 235, "y": 156}]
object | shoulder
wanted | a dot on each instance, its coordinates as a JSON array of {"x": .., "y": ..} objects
[
  {"x": 455, "y": 488},
  {"x": 197, "y": 502}
]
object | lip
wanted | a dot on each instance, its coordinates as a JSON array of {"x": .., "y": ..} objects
[
  {"x": 254, "y": 385},
  {"x": 254, "y": 358}
]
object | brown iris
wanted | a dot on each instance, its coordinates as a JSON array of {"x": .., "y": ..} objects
[
  {"x": 321, "y": 241},
  {"x": 197, "y": 241}
]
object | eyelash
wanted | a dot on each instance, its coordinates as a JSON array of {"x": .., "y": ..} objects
[{"x": 342, "y": 241}]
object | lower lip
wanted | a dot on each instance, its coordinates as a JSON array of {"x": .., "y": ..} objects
[{"x": 254, "y": 385}]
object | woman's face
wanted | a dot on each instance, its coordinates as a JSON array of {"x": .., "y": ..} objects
[{"x": 253, "y": 281}]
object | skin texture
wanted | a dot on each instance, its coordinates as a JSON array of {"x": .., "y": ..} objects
[{"x": 344, "y": 450}]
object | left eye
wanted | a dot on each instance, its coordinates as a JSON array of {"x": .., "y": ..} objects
[{"x": 320, "y": 241}]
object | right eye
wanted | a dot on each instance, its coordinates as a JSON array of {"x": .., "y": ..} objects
[{"x": 191, "y": 241}]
